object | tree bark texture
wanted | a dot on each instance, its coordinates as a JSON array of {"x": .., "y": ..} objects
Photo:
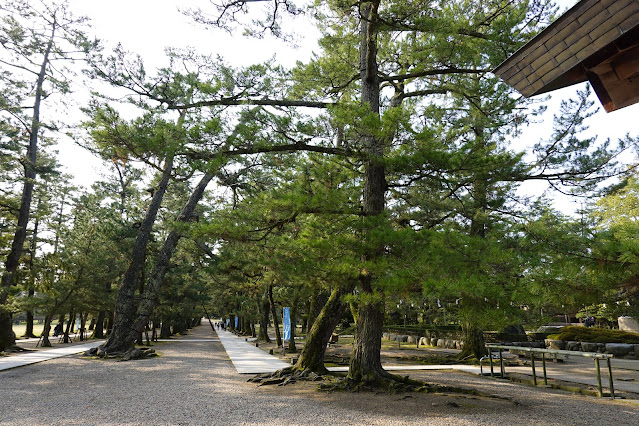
[
  {"x": 365, "y": 365},
  {"x": 47, "y": 329},
  {"x": 473, "y": 338},
  {"x": 312, "y": 355},
  {"x": 7, "y": 336},
  {"x": 125, "y": 306}
]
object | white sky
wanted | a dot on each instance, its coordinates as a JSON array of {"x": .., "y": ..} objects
[{"x": 147, "y": 26}]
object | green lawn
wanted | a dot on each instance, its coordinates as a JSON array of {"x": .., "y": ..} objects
[{"x": 19, "y": 329}]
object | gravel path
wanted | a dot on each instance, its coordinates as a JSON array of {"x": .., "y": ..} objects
[{"x": 195, "y": 383}]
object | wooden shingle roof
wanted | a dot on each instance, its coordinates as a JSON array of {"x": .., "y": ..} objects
[{"x": 596, "y": 40}]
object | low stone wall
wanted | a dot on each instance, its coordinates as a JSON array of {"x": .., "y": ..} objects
[
  {"x": 424, "y": 341},
  {"x": 619, "y": 350}
]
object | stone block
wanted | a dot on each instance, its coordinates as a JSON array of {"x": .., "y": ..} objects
[
  {"x": 619, "y": 349},
  {"x": 588, "y": 347},
  {"x": 628, "y": 324},
  {"x": 555, "y": 344},
  {"x": 572, "y": 345}
]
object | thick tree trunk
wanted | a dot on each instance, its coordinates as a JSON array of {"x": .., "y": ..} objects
[
  {"x": 68, "y": 329},
  {"x": 125, "y": 308},
  {"x": 98, "y": 331},
  {"x": 151, "y": 293},
  {"x": 276, "y": 324},
  {"x": 47, "y": 329},
  {"x": 365, "y": 366},
  {"x": 165, "y": 330},
  {"x": 473, "y": 338},
  {"x": 7, "y": 336},
  {"x": 312, "y": 354},
  {"x": 29, "y": 330}
]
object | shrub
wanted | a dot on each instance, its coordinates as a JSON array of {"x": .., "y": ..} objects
[{"x": 595, "y": 335}]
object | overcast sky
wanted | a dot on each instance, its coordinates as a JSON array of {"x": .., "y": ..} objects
[{"x": 148, "y": 26}]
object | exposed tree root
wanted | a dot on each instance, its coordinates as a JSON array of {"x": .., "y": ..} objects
[
  {"x": 394, "y": 384},
  {"x": 287, "y": 376},
  {"x": 129, "y": 355},
  {"x": 15, "y": 349},
  {"x": 385, "y": 383}
]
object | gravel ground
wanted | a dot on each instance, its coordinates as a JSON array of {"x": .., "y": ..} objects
[{"x": 195, "y": 383}]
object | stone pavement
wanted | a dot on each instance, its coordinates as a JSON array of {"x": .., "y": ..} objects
[
  {"x": 246, "y": 358},
  {"x": 28, "y": 358}
]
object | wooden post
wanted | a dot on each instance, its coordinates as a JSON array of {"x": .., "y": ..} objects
[
  {"x": 543, "y": 362},
  {"x": 598, "y": 377},
  {"x": 501, "y": 363},
  {"x": 534, "y": 373},
  {"x": 490, "y": 359},
  {"x": 612, "y": 387}
]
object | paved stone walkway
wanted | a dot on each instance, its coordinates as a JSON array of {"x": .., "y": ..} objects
[
  {"x": 28, "y": 358},
  {"x": 246, "y": 358}
]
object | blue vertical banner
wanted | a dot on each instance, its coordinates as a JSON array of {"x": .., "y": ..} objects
[
  {"x": 236, "y": 320},
  {"x": 227, "y": 321},
  {"x": 286, "y": 320}
]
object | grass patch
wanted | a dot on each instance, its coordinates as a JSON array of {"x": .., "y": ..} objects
[
  {"x": 20, "y": 329},
  {"x": 595, "y": 335}
]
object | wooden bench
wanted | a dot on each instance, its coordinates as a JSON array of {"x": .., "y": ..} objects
[{"x": 555, "y": 353}]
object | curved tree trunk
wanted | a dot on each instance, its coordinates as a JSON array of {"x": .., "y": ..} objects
[
  {"x": 151, "y": 293},
  {"x": 125, "y": 307},
  {"x": 47, "y": 329},
  {"x": 312, "y": 354}
]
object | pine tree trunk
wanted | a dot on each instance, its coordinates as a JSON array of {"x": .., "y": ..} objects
[
  {"x": 312, "y": 354},
  {"x": 68, "y": 329},
  {"x": 264, "y": 310},
  {"x": 7, "y": 336},
  {"x": 152, "y": 290},
  {"x": 292, "y": 348},
  {"x": 98, "y": 331},
  {"x": 47, "y": 329},
  {"x": 165, "y": 330},
  {"x": 276, "y": 324},
  {"x": 31, "y": 292},
  {"x": 125, "y": 308},
  {"x": 473, "y": 338},
  {"x": 29, "y": 330},
  {"x": 365, "y": 366}
]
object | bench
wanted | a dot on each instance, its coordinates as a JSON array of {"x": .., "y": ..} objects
[{"x": 555, "y": 353}]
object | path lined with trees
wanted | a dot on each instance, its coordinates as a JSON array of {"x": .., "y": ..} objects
[{"x": 377, "y": 181}]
